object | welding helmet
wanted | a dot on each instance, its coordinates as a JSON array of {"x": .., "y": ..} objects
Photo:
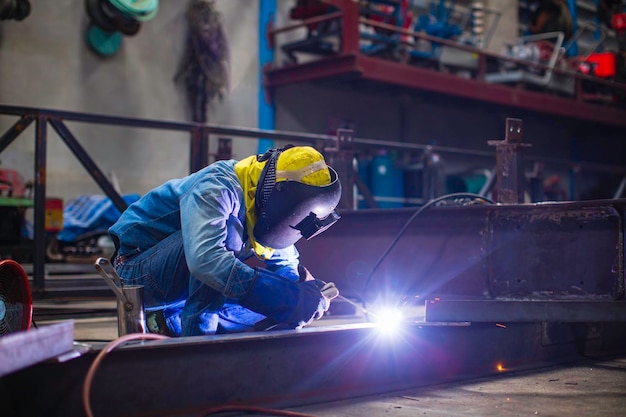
[{"x": 296, "y": 196}]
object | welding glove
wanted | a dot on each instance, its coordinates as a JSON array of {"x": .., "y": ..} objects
[
  {"x": 329, "y": 290},
  {"x": 304, "y": 274},
  {"x": 293, "y": 303}
]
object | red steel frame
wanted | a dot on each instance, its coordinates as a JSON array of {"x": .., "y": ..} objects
[{"x": 350, "y": 61}]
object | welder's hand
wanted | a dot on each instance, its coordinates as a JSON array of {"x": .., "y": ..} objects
[
  {"x": 328, "y": 291},
  {"x": 284, "y": 301},
  {"x": 314, "y": 298}
]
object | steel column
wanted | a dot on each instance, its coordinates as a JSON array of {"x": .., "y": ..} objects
[
  {"x": 510, "y": 185},
  {"x": 39, "y": 254},
  {"x": 199, "y": 148}
]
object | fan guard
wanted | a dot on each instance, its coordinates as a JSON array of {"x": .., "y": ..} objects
[{"x": 16, "y": 301}]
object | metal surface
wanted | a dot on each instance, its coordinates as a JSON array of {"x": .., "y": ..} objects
[
  {"x": 515, "y": 311},
  {"x": 131, "y": 317},
  {"x": 530, "y": 251},
  {"x": 511, "y": 180},
  {"x": 287, "y": 368},
  {"x": 22, "y": 349}
]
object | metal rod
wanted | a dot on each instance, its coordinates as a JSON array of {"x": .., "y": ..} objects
[
  {"x": 27, "y": 112},
  {"x": 306, "y": 22},
  {"x": 14, "y": 131},
  {"x": 88, "y": 164},
  {"x": 160, "y": 125}
]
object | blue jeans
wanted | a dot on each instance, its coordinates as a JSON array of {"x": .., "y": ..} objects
[{"x": 190, "y": 307}]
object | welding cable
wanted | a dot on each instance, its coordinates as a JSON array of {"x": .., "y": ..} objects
[
  {"x": 251, "y": 409},
  {"x": 430, "y": 203},
  {"x": 107, "y": 349}
]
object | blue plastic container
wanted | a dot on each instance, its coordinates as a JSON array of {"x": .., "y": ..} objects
[{"x": 387, "y": 181}]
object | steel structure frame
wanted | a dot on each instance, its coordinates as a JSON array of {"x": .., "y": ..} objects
[{"x": 348, "y": 60}]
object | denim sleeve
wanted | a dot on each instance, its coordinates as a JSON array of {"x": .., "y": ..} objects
[
  {"x": 285, "y": 262},
  {"x": 204, "y": 212}
]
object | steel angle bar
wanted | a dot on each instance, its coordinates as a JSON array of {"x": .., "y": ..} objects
[
  {"x": 14, "y": 131},
  {"x": 516, "y": 311},
  {"x": 88, "y": 164},
  {"x": 22, "y": 349}
]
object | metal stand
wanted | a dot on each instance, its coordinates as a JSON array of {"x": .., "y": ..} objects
[{"x": 131, "y": 317}]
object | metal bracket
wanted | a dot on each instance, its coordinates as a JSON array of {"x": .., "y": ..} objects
[
  {"x": 510, "y": 185},
  {"x": 514, "y": 130}
]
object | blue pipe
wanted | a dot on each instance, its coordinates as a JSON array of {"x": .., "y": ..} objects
[{"x": 266, "y": 111}]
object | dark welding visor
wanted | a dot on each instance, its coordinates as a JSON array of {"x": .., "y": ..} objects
[{"x": 294, "y": 209}]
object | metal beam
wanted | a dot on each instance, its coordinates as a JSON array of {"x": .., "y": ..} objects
[
  {"x": 14, "y": 131},
  {"x": 290, "y": 368},
  {"x": 521, "y": 251},
  {"x": 89, "y": 164},
  {"x": 394, "y": 73},
  {"x": 515, "y": 311}
]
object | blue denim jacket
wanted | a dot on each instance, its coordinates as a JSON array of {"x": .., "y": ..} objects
[{"x": 209, "y": 207}]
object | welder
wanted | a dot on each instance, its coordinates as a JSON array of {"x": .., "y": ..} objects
[{"x": 189, "y": 243}]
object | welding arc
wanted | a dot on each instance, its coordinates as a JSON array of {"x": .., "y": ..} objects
[{"x": 393, "y": 243}]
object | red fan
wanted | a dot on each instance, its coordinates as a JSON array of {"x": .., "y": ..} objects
[{"x": 16, "y": 301}]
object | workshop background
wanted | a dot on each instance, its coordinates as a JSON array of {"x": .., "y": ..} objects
[
  {"x": 46, "y": 62},
  {"x": 483, "y": 171}
]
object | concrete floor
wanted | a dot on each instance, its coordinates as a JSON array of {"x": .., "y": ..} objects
[{"x": 591, "y": 387}]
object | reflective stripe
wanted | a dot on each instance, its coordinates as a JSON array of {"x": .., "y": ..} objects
[{"x": 297, "y": 175}]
